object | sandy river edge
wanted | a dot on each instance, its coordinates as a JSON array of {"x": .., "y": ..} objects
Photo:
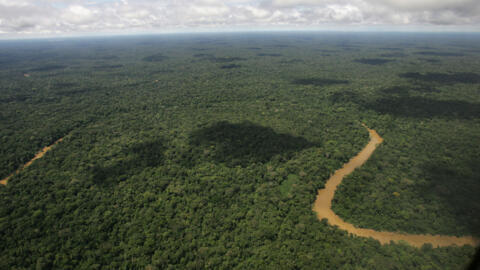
[{"x": 323, "y": 208}]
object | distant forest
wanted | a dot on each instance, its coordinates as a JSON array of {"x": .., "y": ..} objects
[{"x": 206, "y": 151}]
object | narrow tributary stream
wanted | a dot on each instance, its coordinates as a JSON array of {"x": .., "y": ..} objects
[
  {"x": 38, "y": 155},
  {"x": 323, "y": 203}
]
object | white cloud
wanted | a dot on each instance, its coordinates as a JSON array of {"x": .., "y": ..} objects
[
  {"x": 257, "y": 12},
  {"x": 208, "y": 10},
  {"x": 76, "y": 16},
  {"x": 293, "y": 3},
  {"x": 79, "y": 15},
  {"x": 416, "y": 5}
]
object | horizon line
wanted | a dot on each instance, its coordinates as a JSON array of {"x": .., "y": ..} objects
[{"x": 234, "y": 31}]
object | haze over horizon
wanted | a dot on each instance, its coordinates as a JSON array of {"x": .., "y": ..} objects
[{"x": 57, "y": 18}]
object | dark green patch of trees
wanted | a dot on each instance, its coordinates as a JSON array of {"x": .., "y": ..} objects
[{"x": 176, "y": 164}]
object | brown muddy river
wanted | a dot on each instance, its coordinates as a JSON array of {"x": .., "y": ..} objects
[
  {"x": 323, "y": 208},
  {"x": 40, "y": 154},
  {"x": 323, "y": 203}
]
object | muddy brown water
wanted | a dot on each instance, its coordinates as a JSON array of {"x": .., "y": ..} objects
[
  {"x": 38, "y": 155},
  {"x": 323, "y": 208},
  {"x": 323, "y": 203}
]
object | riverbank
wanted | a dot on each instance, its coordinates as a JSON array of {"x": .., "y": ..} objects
[{"x": 323, "y": 207}]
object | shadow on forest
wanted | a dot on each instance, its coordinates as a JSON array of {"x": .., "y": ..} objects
[
  {"x": 245, "y": 143},
  {"x": 291, "y": 61},
  {"x": 393, "y": 54},
  {"x": 439, "y": 53},
  {"x": 15, "y": 98},
  {"x": 73, "y": 92},
  {"x": 138, "y": 157},
  {"x": 155, "y": 58},
  {"x": 345, "y": 97},
  {"x": 230, "y": 66},
  {"x": 398, "y": 101},
  {"x": 411, "y": 106},
  {"x": 226, "y": 59},
  {"x": 214, "y": 59},
  {"x": 326, "y": 50},
  {"x": 457, "y": 187},
  {"x": 430, "y": 60},
  {"x": 201, "y": 55},
  {"x": 318, "y": 81},
  {"x": 269, "y": 54},
  {"x": 391, "y": 49},
  {"x": 475, "y": 263},
  {"x": 404, "y": 90},
  {"x": 373, "y": 61},
  {"x": 458, "y": 77},
  {"x": 395, "y": 90}
]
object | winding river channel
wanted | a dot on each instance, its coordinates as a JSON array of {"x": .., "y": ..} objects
[
  {"x": 323, "y": 208},
  {"x": 323, "y": 203},
  {"x": 38, "y": 155}
]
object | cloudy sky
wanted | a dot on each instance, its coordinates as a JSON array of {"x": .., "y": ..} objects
[{"x": 28, "y": 18}]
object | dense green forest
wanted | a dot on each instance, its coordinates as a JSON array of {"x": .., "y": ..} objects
[{"x": 206, "y": 151}]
